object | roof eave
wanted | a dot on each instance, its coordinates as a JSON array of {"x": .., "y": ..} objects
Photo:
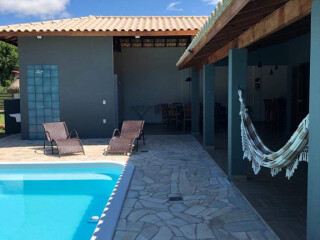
[{"x": 5, "y": 36}]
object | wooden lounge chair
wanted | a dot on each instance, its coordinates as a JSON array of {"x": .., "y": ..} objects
[
  {"x": 121, "y": 145},
  {"x": 123, "y": 142},
  {"x": 58, "y": 133}
]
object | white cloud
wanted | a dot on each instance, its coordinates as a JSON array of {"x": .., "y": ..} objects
[
  {"x": 172, "y": 7},
  {"x": 45, "y": 9},
  {"x": 211, "y": 2}
]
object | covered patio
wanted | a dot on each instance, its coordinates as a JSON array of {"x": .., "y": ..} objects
[{"x": 270, "y": 49}]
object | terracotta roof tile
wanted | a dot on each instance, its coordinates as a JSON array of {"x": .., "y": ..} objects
[{"x": 112, "y": 23}]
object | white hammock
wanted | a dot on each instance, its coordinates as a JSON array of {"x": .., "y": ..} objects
[{"x": 289, "y": 156}]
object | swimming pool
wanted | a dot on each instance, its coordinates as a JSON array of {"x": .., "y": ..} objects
[{"x": 57, "y": 201}]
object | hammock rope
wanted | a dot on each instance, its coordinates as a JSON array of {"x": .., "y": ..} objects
[{"x": 288, "y": 157}]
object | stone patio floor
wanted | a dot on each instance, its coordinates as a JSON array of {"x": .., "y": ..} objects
[
  {"x": 212, "y": 208},
  {"x": 13, "y": 149}
]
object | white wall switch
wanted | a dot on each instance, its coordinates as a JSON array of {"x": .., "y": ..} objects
[
  {"x": 104, "y": 121},
  {"x": 104, "y": 102}
]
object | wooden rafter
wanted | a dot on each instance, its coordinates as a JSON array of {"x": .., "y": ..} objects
[
  {"x": 249, "y": 14},
  {"x": 289, "y": 13},
  {"x": 258, "y": 5},
  {"x": 222, "y": 52},
  {"x": 264, "y": 19},
  {"x": 232, "y": 10},
  {"x": 294, "y": 30}
]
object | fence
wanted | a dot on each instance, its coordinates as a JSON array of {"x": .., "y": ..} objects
[{"x": 4, "y": 96}]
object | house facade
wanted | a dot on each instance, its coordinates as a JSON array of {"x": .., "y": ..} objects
[{"x": 94, "y": 72}]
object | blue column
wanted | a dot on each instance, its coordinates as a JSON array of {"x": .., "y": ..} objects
[
  {"x": 313, "y": 209},
  {"x": 195, "y": 101},
  {"x": 208, "y": 105},
  {"x": 237, "y": 78},
  {"x": 289, "y": 99}
]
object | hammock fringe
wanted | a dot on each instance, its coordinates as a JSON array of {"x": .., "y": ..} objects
[{"x": 288, "y": 157}]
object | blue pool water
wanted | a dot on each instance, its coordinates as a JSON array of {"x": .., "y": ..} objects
[{"x": 51, "y": 203}]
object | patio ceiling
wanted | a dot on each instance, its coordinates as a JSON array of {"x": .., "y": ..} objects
[
  {"x": 294, "y": 30},
  {"x": 107, "y": 26},
  {"x": 243, "y": 23}
]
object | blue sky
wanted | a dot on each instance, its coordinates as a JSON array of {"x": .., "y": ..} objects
[{"x": 21, "y": 11}]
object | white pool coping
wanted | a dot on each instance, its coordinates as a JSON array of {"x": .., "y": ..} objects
[
  {"x": 108, "y": 221},
  {"x": 66, "y": 163}
]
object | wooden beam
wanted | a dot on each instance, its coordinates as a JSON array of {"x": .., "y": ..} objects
[
  {"x": 198, "y": 67},
  {"x": 289, "y": 13},
  {"x": 101, "y": 33},
  {"x": 228, "y": 14},
  {"x": 261, "y": 5},
  {"x": 222, "y": 52}
]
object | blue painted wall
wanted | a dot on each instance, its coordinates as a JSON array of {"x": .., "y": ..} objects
[
  {"x": 293, "y": 52},
  {"x": 86, "y": 79}
]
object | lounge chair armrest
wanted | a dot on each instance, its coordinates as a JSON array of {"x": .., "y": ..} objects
[
  {"x": 73, "y": 131},
  {"x": 47, "y": 134},
  {"x": 116, "y": 131}
]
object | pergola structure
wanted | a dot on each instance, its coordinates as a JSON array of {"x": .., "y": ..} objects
[{"x": 232, "y": 36}]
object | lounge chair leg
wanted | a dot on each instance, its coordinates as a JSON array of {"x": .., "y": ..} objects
[
  {"x": 52, "y": 148},
  {"x": 144, "y": 143},
  {"x": 137, "y": 145}
]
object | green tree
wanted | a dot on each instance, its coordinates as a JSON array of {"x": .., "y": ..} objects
[{"x": 8, "y": 62}]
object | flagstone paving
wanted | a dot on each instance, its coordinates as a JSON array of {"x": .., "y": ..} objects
[
  {"x": 13, "y": 149},
  {"x": 212, "y": 208}
]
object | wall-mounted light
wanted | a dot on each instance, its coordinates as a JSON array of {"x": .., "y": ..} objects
[
  {"x": 39, "y": 37},
  {"x": 137, "y": 37},
  {"x": 188, "y": 80},
  {"x": 271, "y": 71}
]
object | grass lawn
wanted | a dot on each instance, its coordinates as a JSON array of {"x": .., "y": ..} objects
[
  {"x": 1, "y": 123},
  {"x": 1, "y": 118}
]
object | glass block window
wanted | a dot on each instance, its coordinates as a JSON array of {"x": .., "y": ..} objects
[{"x": 43, "y": 97}]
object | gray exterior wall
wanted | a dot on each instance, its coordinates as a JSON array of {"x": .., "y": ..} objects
[
  {"x": 86, "y": 79},
  {"x": 149, "y": 77}
]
